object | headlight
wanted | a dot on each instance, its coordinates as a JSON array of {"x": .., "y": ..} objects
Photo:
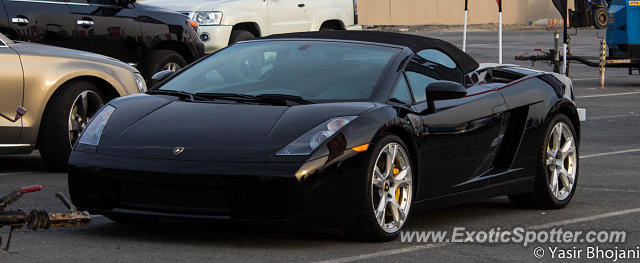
[
  {"x": 142, "y": 85},
  {"x": 91, "y": 135},
  {"x": 207, "y": 18},
  {"x": 308, "y": 142}
]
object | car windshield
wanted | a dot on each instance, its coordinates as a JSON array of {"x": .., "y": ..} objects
[{"x": 312, "y": 70}]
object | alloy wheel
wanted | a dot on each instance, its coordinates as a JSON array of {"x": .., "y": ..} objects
[
  {"x": 171, "y": 66},
  {"x": 391, "y": 187},
  {"x": 561, "y": 161},
  {"x": 83, "y": 108}
]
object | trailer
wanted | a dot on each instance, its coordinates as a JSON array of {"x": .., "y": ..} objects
[{"x": 622, "y": 41}]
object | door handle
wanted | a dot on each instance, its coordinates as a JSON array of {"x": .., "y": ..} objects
[
  {"x": 20, "y": 20},
  {"x": 300, "y": 5},
  {"x": 85, "y": 23}
]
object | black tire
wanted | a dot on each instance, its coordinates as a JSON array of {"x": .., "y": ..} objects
[
  {"x": 240, "y": 35},
  {"x": 158, "y": 60},
  {"x": 54, "y": 139},
  {"x": 600, "y": 18},
  {"x": 542, "y": 197},
  {"x": 366, "y": 227},
  {"x": 327, "y": 29}
]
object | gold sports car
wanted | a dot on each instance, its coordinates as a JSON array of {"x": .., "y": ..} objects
[{"x": 61, "y": 89}]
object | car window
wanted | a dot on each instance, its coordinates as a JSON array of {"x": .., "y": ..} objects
[
  {"x": 419, "y": 84},
  {"x": 401, "y": 91},
  {"x": 313, "y": 70},
  {"x": 432, "y": 70},
  {"x": 436, "y": 56}
]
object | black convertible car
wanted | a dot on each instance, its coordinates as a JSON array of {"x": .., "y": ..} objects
[{"x": 347, "y": 129}]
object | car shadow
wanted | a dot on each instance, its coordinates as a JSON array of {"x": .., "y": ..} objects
[{"x": 21, "y": 163}]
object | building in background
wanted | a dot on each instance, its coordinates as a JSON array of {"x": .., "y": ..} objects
[{"x": 450, "y": 12}]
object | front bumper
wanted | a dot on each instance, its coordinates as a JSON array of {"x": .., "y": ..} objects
[
  {"x": 265, "y": 192},
  {"x": 218, "y": 37}
]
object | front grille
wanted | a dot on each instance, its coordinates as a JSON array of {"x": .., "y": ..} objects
[{"x": 246, "y": 197}]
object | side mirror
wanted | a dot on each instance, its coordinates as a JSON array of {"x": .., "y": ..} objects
[
  {"x": 443, "y": 90},
  {"x": 160, "y": 76}
]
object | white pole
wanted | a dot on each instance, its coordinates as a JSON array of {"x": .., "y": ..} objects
[
  {"x": 464, "y": 35},
  {"x": 500, "y": 38},
  {"x": 564, "y": 60}
]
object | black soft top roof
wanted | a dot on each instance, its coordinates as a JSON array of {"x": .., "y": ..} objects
[{"x": 416, "y": 43}]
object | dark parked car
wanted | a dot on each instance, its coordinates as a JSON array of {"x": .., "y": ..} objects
[
  {"x": 151, "y": 38},
  {"x": 337, "y": 128}
]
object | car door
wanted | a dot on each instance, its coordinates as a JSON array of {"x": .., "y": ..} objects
[
  {"x": 460, "y": 136},
  {"x": 10, "y": 94},
  {"x": 288, "y": 16},
  {"x": 104, "y": 27},
  {"x": 47, "y": 22}
]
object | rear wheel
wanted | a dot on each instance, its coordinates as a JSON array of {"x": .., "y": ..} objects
[
  {"x": 162, "y": 59},
  {"x": 600, "y": 18},
  {"x": 240, "y": 35},
  {"x": 386, "y": 192},
  {"x": 67, "y": 114},
  {"x": 557, "y": 172}
]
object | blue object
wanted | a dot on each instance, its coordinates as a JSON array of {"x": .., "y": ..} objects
[{"x": 623, "y": 30}]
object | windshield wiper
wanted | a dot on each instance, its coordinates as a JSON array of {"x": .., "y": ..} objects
[
  {"x": 284, "y": 98},
  {"x": 181, "y": 94},
  {"x": 230, "y": 96},
  {"x": 276, "y": 99}
]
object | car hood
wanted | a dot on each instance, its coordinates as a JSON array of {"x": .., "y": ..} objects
[
  {"x": 189, "y": 5},
  {"x": 40, "y": 50},
  {"x": 152, "y": 126}
]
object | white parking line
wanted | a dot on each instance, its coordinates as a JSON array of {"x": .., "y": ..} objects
[
  {"x": 382, "y": 253},
  {"x": 612, "y": 117},
  {"x": 16, "y": 173},
  {"x": 609, "y": 153},
  {"x": 608, "y": 190},
  {"x": 585, "y": 219},
  {"x": 608, "y": 95}
]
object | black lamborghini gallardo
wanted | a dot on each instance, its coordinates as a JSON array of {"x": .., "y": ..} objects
[{"x": 355, "y": 130}]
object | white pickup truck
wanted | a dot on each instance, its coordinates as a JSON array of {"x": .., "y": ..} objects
[{"x": 224, "y": 22}]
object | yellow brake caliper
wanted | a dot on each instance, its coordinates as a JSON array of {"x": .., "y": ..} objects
[
  {"x": 398, "y": 192},
  {"x": 396, "y": 171}
]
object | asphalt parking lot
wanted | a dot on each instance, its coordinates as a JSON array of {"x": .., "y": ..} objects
[{"x": 608, "y": 196}]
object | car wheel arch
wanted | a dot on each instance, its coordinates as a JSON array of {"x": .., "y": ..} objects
[
  {"x": 176, "y": 46},
  {"x": 334, "y": 24},
  {"x": 108, "y": 90},
  {"x": 568, "y": 109},
  {"x": 251, "y": 27},
  {"x": 398, "y": 129}
]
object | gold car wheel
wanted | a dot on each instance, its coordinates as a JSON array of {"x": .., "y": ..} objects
[{"x": 84, "y": 106}]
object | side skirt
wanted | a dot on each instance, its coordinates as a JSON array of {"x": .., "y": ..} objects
[{"x": 521, "y": 185}]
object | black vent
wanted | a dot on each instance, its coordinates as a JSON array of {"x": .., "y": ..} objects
[{"x": 556, "y": 84}]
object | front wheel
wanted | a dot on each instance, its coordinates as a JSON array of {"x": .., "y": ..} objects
[
  {"x": 67, "y": 114},
  {"x": 557, "y": 172},
  {"x": 386, "y": 193}
]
